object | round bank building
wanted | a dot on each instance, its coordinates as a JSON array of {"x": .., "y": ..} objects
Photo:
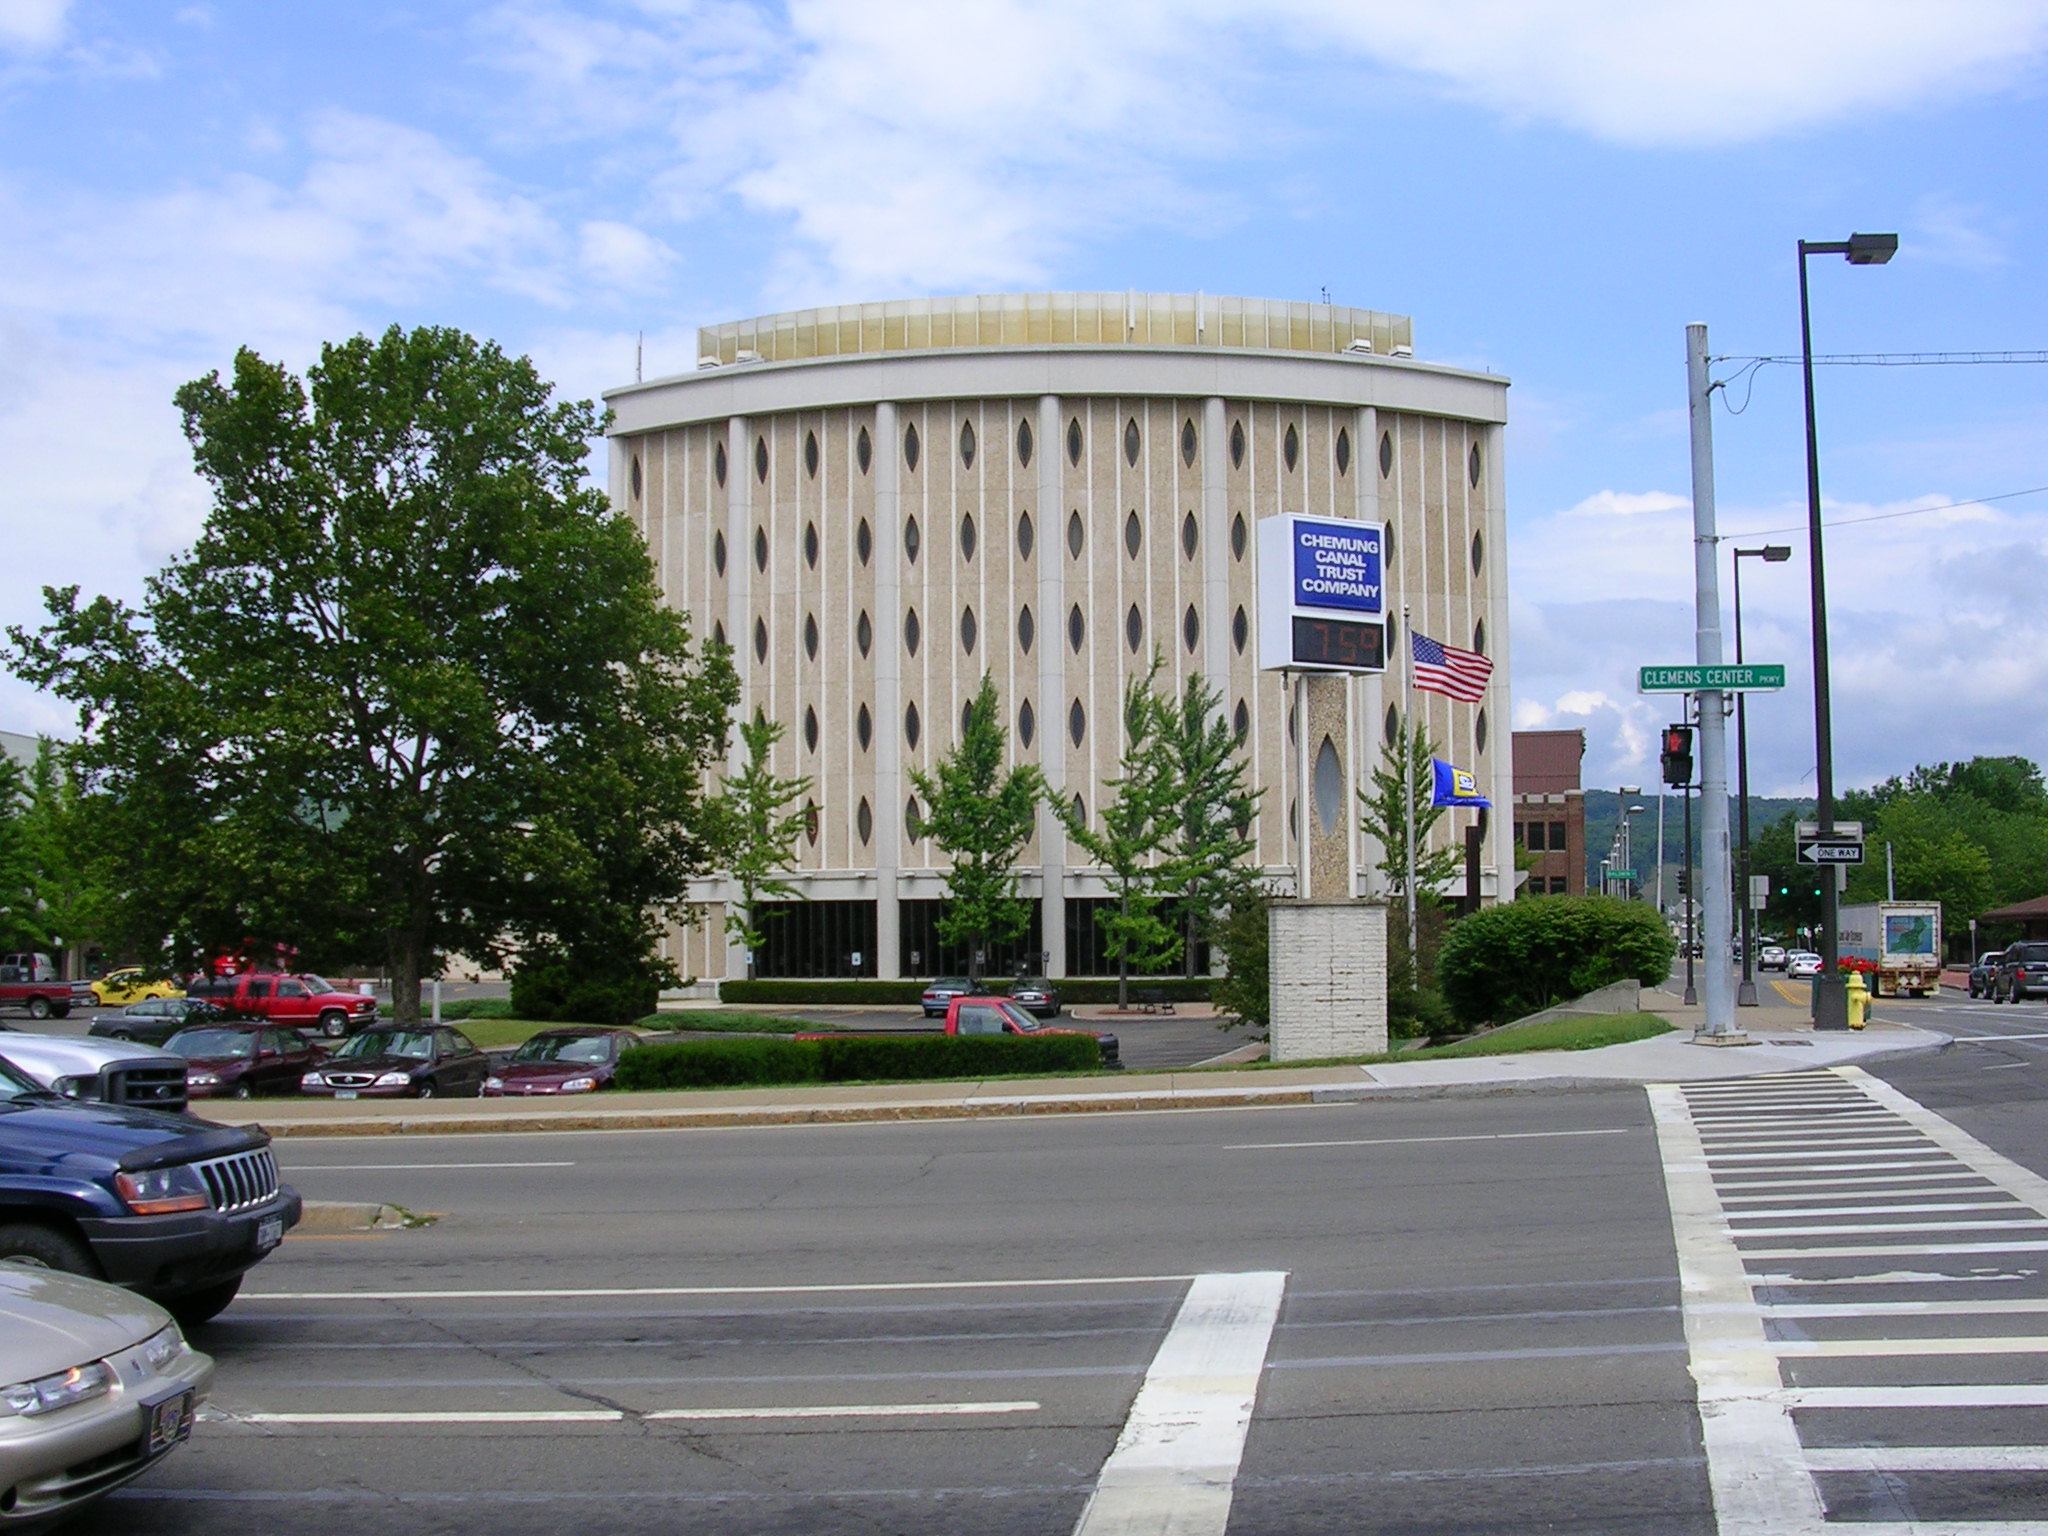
[{"x": 875, "y": 505}]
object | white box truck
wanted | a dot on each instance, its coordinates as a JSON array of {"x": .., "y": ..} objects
[{"x": 1902, "y": 939}]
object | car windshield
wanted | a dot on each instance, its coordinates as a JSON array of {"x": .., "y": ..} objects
[
  {"x": 213, "y": 1044},
  {"x": 565, "y": 1048},
  {"x": 950, "y": 983},
  {"x": 417, "y": 1044},
  {"x": 15, "y": 1088},
  {"x": 317, "y": 984}
]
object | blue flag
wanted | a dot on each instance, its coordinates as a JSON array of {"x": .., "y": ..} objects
[{"x": 1455, "y": 786}]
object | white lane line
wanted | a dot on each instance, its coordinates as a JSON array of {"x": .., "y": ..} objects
[
  {"x": 1890, "y": 1250},
  {"x": 1882, "y": 1349},
  {"x": 845, "y": 1411},
  {"x": 1990, "y": 1306},
  {"x": 1174, "y": 1465},
  {"x": 1723, "y": 1159},
  {"x": 1997, "y": 1202},
  {"x": 1994, "y": 1039},
  {"x": 555, "y": 1293},
  {"x": 1397, "y": 1141},
  {"x": 1971, "y": 1276},
  {"x": 563, "y": 1416},
  {"x": 1923, "y": 1164},
  {"x": 1873, "y": 1186},
  {"x": 1755, "y": 1464},
  {"x": 298, "y": 1168},
  {"x": 1929, "y": 1458},
  {"x": 2013, "y": 1396},
  {"x": 1861, "y": 1228}
]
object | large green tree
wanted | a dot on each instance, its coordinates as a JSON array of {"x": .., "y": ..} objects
[
  {"x": 759, "y": 816},
  {"x": 981, "y": 812},
  {"x": 1208, "y": 867},
  {"x": 412, "y": 691}
]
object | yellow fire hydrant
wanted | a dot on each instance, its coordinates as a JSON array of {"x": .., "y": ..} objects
[{"x": 1859, "y": 999}]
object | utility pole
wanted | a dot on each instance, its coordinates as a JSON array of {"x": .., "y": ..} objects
[{"x": 1719, "y": 1026}]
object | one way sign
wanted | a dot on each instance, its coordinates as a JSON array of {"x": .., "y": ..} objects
[{"x": 1830, "y": 850}]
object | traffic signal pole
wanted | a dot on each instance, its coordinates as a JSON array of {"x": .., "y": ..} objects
[{"x": 1719, "y": 1026}]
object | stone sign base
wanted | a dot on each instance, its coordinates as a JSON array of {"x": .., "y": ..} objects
[{"x": 1328, "y": 978}]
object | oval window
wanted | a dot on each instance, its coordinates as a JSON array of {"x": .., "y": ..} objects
[
  {"x": 1241, "y": 721},
  {"x": 1074, "y": 441},
  {"x": 1478, "y": 554},
  {"x": 968, "y": 537},
  {"x": 811, "y": 545},
  {"x": 811, "y": 636},
  {"x": 811, "y": 823},
  {"x": 1134, "y": 534},
  {"x": 1024, "y": 442},
  {"x": 910, "y": 448},
  {"x": 1329, "y": 783},
  {"x": 1076, "y": 534},
  {"x": 1026, "y": 535},
  {"x": 1080, "y": 809},
  {"x": 913, "y": 540},
  {"x": 864, "y": 727},
  {"x": 864, "y": 541},
  {"x": 1077, "y": 723},
  {"x": 718, "y": 553},
  {"x": 913, "y": 632},
  {"x": 967, "y": 444},
  {"x": 1393, "y": 726},
  {"x": 760, "y": 549},
  {"x": 1343, "y": 451},
  {"x": 760, "y": 640},
  {"x": 1240, "y": 630},
  {"x": 1027, "y": 722},
  {"x": 1479, "y": 731},
  {"x": 718, "y": 462},
  {"x": 1240, "y": 537},
  {"x": 636, "y": 477},
  {"x": 811, "y": 454},
  {"x": 913, "y": 727},
  {"x": 1479, "y": 637},
  {"x": 863, "y": 450},
  {"x": 1188, "y": 442},
  {"x": 1132, "y": 442},
  {"x": 1472, "y": 465},
  {"x": 969, "y": 630},
  {"x": 864, "y": 822},
  {"x": 1290, "y": 446},
  {"x": 761, "y": 459},
  {"x": 1190, "y": 535},
  {"x": 1191, "y": 628},
  {"x": 1386, "y": 454},
  {"x": 913, "y": 821},
  {"x": 718, "y": 634},
  {"x": 1237, "y": 445},
  {"x": 1134, "y": 628},
  {"x": 1077, "y": 627},
  {"x": 810, "y": 728},
  {"x": 864, "y": 633},
  {"x": 1027, "y": 629}
]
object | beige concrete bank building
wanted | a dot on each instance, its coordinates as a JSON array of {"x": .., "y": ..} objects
[{"x": 876, "y": 504}]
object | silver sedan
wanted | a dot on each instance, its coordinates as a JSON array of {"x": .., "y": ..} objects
[{"x": 96, "y": 1386}]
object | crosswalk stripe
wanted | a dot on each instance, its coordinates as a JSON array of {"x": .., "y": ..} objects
[
  {"x": 1745, "y": 1233},
  {"x": 2012, "y": 1396},
  {"x": 1877, "y": 1349},
  {"x": 1929, "y": 1458},
  {"x": 1999, "y": 1202},
  {"x": 1890, "y": 1250}
]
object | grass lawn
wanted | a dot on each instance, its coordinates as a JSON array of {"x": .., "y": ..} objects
[{"x": 1558, "y": 1035}]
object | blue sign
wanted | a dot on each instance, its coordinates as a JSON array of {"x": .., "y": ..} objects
[
  {"x": 1455, "y": 786},
  {"x": 1337, "y": 565}
]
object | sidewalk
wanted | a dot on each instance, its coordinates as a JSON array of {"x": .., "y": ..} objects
[{"x": 1787, "y": 1043}]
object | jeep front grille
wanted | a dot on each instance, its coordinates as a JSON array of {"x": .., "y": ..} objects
[
  {"x": 240, "y": 1181},
  {"x": 150, "y": 1087}
]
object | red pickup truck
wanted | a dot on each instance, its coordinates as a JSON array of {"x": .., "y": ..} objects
[
  {"x": 299, "y": 1001},
  {"x": 42, "y": 999},
  {"x": 1001, "y": 1016}
]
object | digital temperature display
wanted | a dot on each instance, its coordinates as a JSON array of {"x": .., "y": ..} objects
[{"x": 1341, "y": 643}]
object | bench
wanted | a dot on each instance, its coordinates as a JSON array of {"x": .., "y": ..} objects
[{"x": 1152, "y": 1000}]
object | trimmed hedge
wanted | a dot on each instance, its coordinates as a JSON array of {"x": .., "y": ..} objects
[
  {"x": 857, "y": 1058},
  {"x": 457, "y": 1009},
  {"x": 1515, "y": 959},
  {"x": 1073, "y": 989}
]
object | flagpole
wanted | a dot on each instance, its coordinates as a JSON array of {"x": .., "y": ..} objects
[{"x": 1408, "y": 772}]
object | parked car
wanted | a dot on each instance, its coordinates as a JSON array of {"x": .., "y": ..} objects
[
  {"x": 942, "y": 991},
  {"x": 157, "y": 1203},
  {"x": 1001, "y": 1016},
  {"x": 1982, "y": 972},
  {"x": 1802, "y": 963},
  {"x": 2022, "y": 973},
  {"x": 154, "y": 1020},
  {"x": 401, "y": 1063},
  {"x": 301, "y": 1001},
  {"x": 33, "y": 967},
  {"x": 238, "y": 1061},
  {"x": 573, "y": 1060},
  {"x": 1036, "y": 994},
  {"x": 1772, "y": 957},
  {"x": 131, "y": 985},
  {"x": 105, "y": 1071},
  {"x": 97, "y": 1385}
]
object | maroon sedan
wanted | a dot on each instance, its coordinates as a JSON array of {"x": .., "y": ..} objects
[
  {"x": 574, "y": 1060},
  {"x": 234, "y": 1061}
]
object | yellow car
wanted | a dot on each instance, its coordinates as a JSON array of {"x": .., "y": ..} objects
[{"x": 129, "y": 985}]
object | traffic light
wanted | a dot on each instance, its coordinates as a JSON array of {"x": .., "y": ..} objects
[{"x": 1678, "y": 755}]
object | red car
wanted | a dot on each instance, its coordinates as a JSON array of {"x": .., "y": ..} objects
[
  {"x": 301, "y": 1002},
  {"x": 571, "y": 1060},
  {"x": 237, "y": 1061},
  {"x": 1001, "y": 1016}
]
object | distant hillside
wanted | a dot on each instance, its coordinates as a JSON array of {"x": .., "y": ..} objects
[{"x": 1603, "y": 812}]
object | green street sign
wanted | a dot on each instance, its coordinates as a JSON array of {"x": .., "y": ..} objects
[{"x": 1730, "y": 679}]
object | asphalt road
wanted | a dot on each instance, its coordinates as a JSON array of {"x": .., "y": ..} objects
[{"x": 1477, "y": 1328}]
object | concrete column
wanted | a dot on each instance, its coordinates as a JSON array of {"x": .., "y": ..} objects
[
  {"x": 739, "y": 603},
  {"x": 1326, "y": 850},
  {"x": 891, "y": 788},
  {"x": 1050, "y": 514},
  {"x": 1368, "y": 693},
  {"x": 1329, "y": 979}
]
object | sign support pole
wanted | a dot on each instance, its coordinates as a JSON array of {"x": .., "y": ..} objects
[{"x": 1719, "y": 1026}]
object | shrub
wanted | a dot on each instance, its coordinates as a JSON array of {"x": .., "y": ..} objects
[
  {"x": 457, "y": 1009},
  {"x": 551, "y": 990},
  {"x": 719, "y": 1064},
  {"x": 1245, "y": 996},
  {"x": 1515, "y": 959}
]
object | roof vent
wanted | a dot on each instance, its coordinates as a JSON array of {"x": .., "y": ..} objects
[
  {"x": 709, "y": 361},
  {"x": 1404, "y": 351},
  {"x": 747, "y": 355},
  {"x": 1359, "y": 344}
]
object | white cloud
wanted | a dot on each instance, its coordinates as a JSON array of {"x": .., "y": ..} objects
[
  {"x": 1957, "y": 235},
  {"x": 619, "y": 256},
  {"x": 31, "y": 26}
]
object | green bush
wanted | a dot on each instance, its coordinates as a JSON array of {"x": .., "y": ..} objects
[
  {"x": 551, "y": 990},
  {"x": 457, "y": 1009},
  {"x": 719, "y": 1064},
  {"x": 1511, "y": 960},
  {"x": 872, "y": 1058},
  {"x": 855, "y": 1058}
]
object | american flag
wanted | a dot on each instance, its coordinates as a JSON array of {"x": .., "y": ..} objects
[{"x": 1445, "y": 669}]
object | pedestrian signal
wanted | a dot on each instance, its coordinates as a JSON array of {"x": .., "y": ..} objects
[{"x": 1678, "y": 755}]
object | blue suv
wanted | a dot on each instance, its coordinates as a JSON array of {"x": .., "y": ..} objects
[{"x": 163, "y": 1204}]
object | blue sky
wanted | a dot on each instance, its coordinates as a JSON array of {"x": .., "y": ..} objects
[{"x": 1552, "y": 188}]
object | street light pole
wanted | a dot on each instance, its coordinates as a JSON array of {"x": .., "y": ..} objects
[
  {"x": 1830, "y": 997},
  {"x": 1745, "y": 991}
]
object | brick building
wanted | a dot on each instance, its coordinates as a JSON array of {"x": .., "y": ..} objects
[{"x": 1550, "y": 810}]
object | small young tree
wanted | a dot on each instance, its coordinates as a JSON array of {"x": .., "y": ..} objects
[
  {"x": 982, "y": 815},
  {"x": 1244, "y": 995},
  {"x": 759, "y": 831},
  {"x": 1209, "y": 845},
  {"x": 1384, "y": 814},
  {"x": 1134, "y": 829}
]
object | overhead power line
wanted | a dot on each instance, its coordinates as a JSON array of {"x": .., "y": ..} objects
[
  {"x": 1898, "y": 359},
  {"x": 1883, "y": 517}
]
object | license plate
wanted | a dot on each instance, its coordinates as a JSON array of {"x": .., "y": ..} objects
[
  {"x": 344, "y": 1093},
  {"x": 169, "y": 1422},
  {"x": 269, "y": 1232}
]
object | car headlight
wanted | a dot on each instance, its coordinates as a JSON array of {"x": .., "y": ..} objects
[
  {"x": 160, "y": 1191},
  {"x": 77, "y": 1087},
  {"x": 393, "y": 1079},
  {"x": 494, "y": 1082},
  {"x": 162, "y": 1348},
  {"x": 579, "y": 1085},
  {"x": 202, "y": 1079},
  {"x": 47, "y": 1394},
  {"x": 312, "y": 1080}
]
